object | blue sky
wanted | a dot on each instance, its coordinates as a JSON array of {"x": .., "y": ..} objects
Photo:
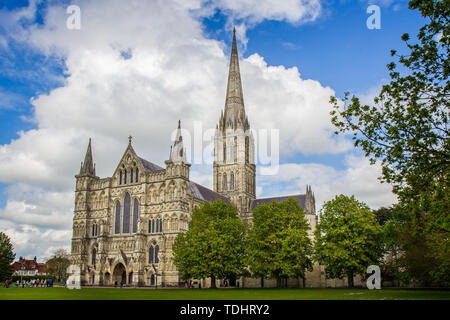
[
  {"x": 338, "y": 50},
  {"x": 41, "y": 74}
]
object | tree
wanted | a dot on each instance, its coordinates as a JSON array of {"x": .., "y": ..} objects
[
  {"x": 214, "y": 246},
  {"x": 383, "y": 215},
  {"x": 57, "y": 265},
  {"x": 278, "y": 242},
  {"x": 348, "y": 238},
  {"x": 6, "y": 257},
  {"x": 407, "y": 127},
  {"x": 421, "y": 229}
]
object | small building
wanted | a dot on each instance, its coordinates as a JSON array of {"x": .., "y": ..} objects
[{"x": 25, "y": 267}]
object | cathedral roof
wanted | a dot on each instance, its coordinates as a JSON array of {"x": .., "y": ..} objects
[
  {"x": 195, "y": 189},
  {"x": 204, "y": 193},
  {"x": 150, "y": 166},
  {"x": 300, "y": 197}
]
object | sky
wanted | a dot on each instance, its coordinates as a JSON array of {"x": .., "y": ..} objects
[{"x": 137, "y": 67}]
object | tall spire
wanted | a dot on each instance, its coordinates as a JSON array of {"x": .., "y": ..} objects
[
  {"x": 234, "y": 115},
  {"x": 88, "y": 167}
]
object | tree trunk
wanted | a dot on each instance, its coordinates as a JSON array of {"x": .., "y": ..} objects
[
  {"x": 304, "y": 282},
  {"x": 350, "y": 279},
  {"x": 213, "y": 282},
  {"x": 278, "y": 282},
  {"x": 262, "y": 282}
]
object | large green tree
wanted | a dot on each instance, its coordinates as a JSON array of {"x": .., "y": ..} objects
[
  {"x": 278, "y": 242},
  {"x": 421, "y": 230},
  {"x": 57, "y": 265},
  {"x": 6, "y": 257},
  {"x": 214, "y": 245},
  {"x": 348, "y": 238},
  {"x": 407, "y": 130}
]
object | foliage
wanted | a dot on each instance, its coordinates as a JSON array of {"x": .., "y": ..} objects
[
  {"x": 6, "y": 257},
  {"x": 57, "y": 265},
  {"x": 348, "y": 238},
  {"x": 383, "y": 215},
  {"x": 407, "y": 127},
  {"x": 421, "y": 232},
  {"x": 407, "y": 130},
  {"x": 278, "y": 242},
  {"x": 214, "y": 246}
]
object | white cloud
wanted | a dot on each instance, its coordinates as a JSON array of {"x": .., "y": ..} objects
[
  {"x": 172, "y": 72},
  {"x": 255, "y": 11},
  {"x": 359, "y": 179}
]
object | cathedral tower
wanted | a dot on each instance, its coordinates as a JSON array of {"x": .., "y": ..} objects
[{"x": 234, "y": 160}]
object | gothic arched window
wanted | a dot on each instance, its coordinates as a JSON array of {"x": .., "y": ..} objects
[
  {"x": 120, "y": 177},
  {"x": 137, "y": 175},
  {"x": 117, "y": 222},
  {"x": 224, "y": 152},
  {"x": 235, "y": 149},
  {"x": 247, "y": 151},
  {"x": 94, "y": 256},
  {"x": 225, "y": 182},
  {"x": 126, "y": 214},
  {"x": 151, "y": 255},
  {"x": 135, "y": 215},
  {"x": 232, "y": 181},
  {"x": 131, "y": 175},
  {"x": 156, "y": 254},
  {"x": 125, "y": 177}
]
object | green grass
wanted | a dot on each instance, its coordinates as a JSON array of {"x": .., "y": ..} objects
[{"x": 220, "y": 294}]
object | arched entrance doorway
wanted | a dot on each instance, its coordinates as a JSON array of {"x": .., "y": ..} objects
[
  {"x": 107, "y": 278},
  {"x": 119, "y": 274},
  {"x": 152, "y": 280}
]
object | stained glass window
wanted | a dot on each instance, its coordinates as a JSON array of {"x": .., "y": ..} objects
[
  {"x": 156, "y": 254},
  {"x": 126, "y": 214},
  {"x": 151, "y": 255},
  {"x": 117, "y": 222},
  {"x": 135, "y": 215}
]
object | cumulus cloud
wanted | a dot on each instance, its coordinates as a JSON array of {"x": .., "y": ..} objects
[
  {"x": 359, "y": 179},
  {"x": 137, "y": 68}
]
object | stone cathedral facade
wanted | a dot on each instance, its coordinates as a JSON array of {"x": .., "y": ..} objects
[{"x": 124, "y": 225}]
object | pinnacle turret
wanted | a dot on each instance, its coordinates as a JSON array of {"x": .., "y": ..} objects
[
  {"x": 177, "y": 151},
  {"x": 88, "y": 167}
]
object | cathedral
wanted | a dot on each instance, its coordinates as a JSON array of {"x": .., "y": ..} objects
[{"x": 124, "y": 225}]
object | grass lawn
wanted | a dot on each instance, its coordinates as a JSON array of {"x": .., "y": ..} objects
[{"x": 220, "y": 294}]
